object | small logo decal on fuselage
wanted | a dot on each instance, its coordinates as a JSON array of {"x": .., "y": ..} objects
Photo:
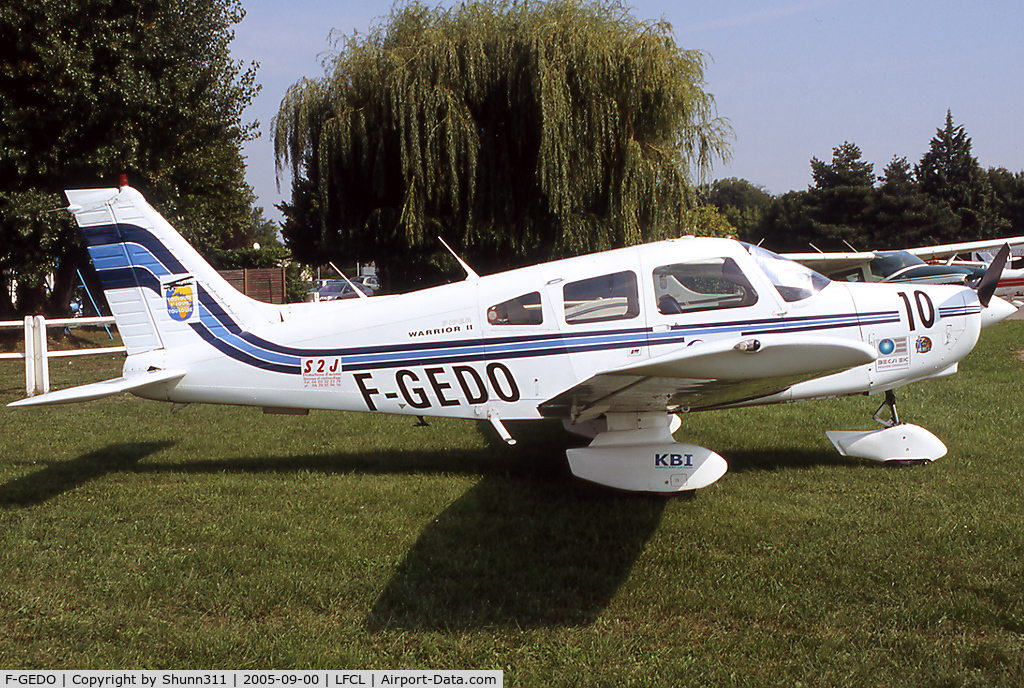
[
  {"x": 322, "y": 371},
  {"x": 894, "y": 354}
]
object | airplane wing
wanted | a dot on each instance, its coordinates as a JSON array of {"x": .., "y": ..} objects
[
  {"x": 98, "y": 390},
  {"x": 947, "y": 250},
  {"x": 709, "y": 375},
  {"x": 830, "y": 263}
]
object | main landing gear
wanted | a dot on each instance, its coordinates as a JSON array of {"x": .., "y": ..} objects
[
  {"x": 896, "y": 442},
  {"x": 636, "y": 452}
]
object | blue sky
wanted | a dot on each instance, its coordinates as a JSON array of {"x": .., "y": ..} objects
[{"x": 794, "y": 78}]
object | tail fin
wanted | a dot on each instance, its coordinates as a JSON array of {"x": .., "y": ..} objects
[{"x": 158, "y": 287}]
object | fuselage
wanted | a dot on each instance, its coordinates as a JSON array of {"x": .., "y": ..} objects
[{"x": 505, "y": 343}]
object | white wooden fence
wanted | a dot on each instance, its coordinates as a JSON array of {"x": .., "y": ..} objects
[{"x": 37, "y": 355}]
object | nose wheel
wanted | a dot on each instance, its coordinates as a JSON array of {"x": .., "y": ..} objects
[{"x": 896, "y": 442}]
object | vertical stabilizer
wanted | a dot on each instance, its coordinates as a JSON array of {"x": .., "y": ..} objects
[{"x": 158, "y": 287}]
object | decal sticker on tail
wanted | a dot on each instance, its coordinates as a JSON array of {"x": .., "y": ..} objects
[{"x": 180, "y": 295}]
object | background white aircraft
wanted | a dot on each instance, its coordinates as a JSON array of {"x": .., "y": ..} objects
[
  {"x": 611, "y": 343},
  {"x": 920, "y": 265},
  {"x": 1011, "y": 280}
]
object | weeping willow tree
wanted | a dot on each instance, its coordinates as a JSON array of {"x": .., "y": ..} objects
[{"x": 518, "y": 131}]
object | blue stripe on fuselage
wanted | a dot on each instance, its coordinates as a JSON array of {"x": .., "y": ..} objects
[{"x": 246, "y": 347}]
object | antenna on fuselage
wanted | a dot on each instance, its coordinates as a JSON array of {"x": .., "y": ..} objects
[{"x": 470, "y": 272}]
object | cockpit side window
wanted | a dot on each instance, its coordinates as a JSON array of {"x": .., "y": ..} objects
[
  {"x": 702, "y": 285},
  {"x": 887, "y": 263},
  {"x": 522, "y": 310},
  {"x": 598, "y": 299}
]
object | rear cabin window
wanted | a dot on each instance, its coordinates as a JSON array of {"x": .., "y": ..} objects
[
  {"x": 522, "y": 310},
  {"x": 702, "y": 285},
  {"x": 599, "y": 299}
]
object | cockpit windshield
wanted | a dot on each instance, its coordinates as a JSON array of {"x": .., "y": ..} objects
[
  {"x": 888, "y": 263},
  {"x": 793, "y": 281}
]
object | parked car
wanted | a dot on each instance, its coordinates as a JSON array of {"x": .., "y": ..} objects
[
  {"x": 332, "y": 291},
  {"x": 370, "y": 281}
]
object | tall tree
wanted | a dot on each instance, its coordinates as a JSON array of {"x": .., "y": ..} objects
[
  {"x": 846, "y": 169},
  {"x": 951, "y": 174},
  {"x": 1008, "y": 191},
  {"x": 90, "y": 89},
  {"x": 903, "y": 215},
  {"x": 517, "y": 129},
  {"x": 834, "y": 213},
  {"x": 787, "y": 224},
  {"x": 842, "y": 196}
]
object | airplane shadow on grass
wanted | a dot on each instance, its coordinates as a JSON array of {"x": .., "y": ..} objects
[
  {"x": 517, "y": 555},
  {"x": 58, "y": 477},
  {"x": 748, "y": 461},
  {"x": 533, "y": 551},
  {"x": 527, "y": 546}
]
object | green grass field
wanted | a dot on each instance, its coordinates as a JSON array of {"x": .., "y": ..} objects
[{"x": 217, "y": 537}]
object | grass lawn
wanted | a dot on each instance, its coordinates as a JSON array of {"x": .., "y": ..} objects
[{"x": 219, "y": 537}]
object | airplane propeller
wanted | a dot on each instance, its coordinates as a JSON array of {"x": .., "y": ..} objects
[{"x": 989, "y": 281}]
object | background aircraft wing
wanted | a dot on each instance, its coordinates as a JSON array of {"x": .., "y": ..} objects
[
  {"x": 830, "y": 263},
  {"x": 708, "y": 376},
  {"x": 947, "y": 250}
]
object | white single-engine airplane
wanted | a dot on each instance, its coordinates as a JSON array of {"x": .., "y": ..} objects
[
  {"x": 612, "y": 343},
  {"x": 918, "y": 265}
]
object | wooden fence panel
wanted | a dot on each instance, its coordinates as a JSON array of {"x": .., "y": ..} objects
[{"x": 262, "y": 284}]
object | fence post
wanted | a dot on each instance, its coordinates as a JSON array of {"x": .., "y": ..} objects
[
  {"x": 30, "y": 354},
  {"x": 37, "y": 365},
  {"x": 42, "y": 357}
]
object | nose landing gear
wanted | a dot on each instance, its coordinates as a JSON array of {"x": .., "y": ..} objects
[
  {"x": 896, "y": 442},
  {"x": 894, "y": 417}
]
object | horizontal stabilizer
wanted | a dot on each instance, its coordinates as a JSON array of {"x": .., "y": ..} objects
[{"x": 98, "y": 390}]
